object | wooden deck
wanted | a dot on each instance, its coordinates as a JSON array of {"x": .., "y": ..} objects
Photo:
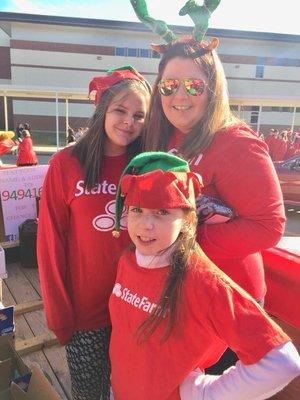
[{"x": 22, "y": 286}]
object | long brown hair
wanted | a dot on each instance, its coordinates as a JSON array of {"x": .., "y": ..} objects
[
  {"x": 167, "y": 305},
  {"x": 90, "y": 149},
  {"x": 216, "y": 117}
]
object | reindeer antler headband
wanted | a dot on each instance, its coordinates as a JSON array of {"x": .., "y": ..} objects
[{"x": 199, "y": 14}]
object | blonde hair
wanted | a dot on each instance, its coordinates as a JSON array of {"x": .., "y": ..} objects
[{"x": 216, "y": 117}]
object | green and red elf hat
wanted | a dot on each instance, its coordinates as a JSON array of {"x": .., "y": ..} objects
[
  {"x": 156, "y": 180},
  {"x": 101, "y": 83}
]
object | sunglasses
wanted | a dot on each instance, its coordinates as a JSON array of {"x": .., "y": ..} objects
[{"x": 170, "y": 86}]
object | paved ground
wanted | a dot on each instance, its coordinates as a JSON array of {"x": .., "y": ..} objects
[
  {"x": 293, "y": 216},
  {"x": 293, "y": 222},
  {"x": 43, "y": 156}
]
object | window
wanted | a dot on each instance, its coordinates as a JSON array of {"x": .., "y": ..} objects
[
  {"x": 254, "y": 118},
  {"x": 259, "y": 72},
  {"x": 283, "y": 109},
  {"x": 144, "y": 53},
  {"x": 132, "y": 52},
  {"x": 120, "y": 51},
  {"x": 254, "y": 114}
]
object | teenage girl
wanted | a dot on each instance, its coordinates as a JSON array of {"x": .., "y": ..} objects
[
  {"x": 77, "y": 255},
  {"x": 174, "y": 312}
]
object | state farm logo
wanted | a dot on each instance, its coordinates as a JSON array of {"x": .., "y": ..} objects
[
  {"x": 135, "y": 300},
  {"x": 117, "y": 290},
  {"x": 106, "y": 222}
]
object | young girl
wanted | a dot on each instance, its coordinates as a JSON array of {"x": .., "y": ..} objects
[
  {"x": 174, "y": 312},
  {"x": 77, "y": 255}
]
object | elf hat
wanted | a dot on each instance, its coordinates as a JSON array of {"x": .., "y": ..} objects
[
  {"x": 156, "y": 180},
  {"x": 100, "y": 84}
]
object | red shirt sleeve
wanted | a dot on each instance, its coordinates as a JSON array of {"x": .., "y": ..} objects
[
  {"x": 242, "y": 324},
  {"x": 245, "y": 179},
  {"x": 51, "y": 253}
]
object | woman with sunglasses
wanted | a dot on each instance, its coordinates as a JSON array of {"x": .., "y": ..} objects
[{"x": 190, "y": 117}]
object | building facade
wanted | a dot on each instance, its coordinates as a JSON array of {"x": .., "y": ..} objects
[{"x": 46, "y": 63}]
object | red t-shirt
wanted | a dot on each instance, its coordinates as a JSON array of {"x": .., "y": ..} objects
[
  {"x": 277, "y": 149},
  {"x": 77, "y": 253},
  {"x": 236, "y": 168},
  {"x": 213, "y": 313}
]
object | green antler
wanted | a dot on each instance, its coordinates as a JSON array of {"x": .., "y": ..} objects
[
  {"x": 157, "y": 26},
  {"x": 199, "y": 15}
]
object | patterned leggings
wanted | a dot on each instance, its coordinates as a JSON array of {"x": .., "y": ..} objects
[{"x": 89, "y": 365}]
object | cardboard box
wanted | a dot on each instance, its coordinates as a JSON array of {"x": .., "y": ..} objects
[
  {"x": 6, "y": 320},
  {"x": 7, "y": 326},
  {"x": 39, "y": 388},
  {"x": 11, "y": 365}
]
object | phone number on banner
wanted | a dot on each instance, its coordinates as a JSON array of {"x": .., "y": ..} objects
[{"x": 21, "y": 194}]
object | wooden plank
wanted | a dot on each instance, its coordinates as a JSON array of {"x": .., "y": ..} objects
[
  {"x": 32, "y": 274},
  {"x": 29, "y": 306},
  {"x": 22, "y": 328},
  {"x": 22, "y": 289},
  {"x": 9, "y": 245},
  {"x": 33, "y": 344},
  {"x": 56, "y": 355}
]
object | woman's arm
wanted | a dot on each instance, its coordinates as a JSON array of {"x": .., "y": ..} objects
[
  {"x": 246, "y": 382},
  {"x": 246, "y": 181},
  {"x": 267, "y": 359},
  {"x": 51, "y": 252}
]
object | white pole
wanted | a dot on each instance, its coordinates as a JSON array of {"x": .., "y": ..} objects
[
  {"x": 5, "y": 114},
  {"x": 67, "y": 117},
  {"x": 293, "y": 120},
  {"x": 258, "y": 118},
  {"x": 239, "y": 111},
  {"x": 57, "y": 121}
]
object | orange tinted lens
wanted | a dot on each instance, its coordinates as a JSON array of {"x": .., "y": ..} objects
[
  {"x": 194, "y": 87},
  {"x": 167, "y": 87}
]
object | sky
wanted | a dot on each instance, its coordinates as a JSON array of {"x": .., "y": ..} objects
[{"x": 250, "y": 15}]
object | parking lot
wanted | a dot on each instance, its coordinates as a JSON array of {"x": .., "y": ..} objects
[{"x": 293, "y": 223}]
